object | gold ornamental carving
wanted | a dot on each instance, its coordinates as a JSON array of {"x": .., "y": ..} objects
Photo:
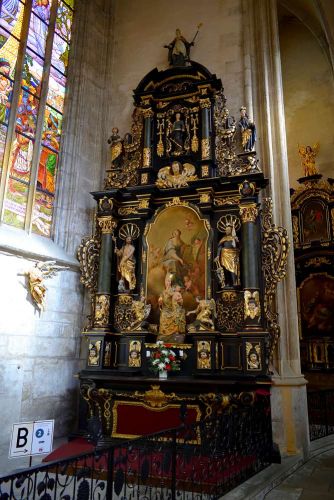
[
  {"x": 128, "y": 210},
  {"x": 295, "y": 230},
  {"x": 230, "y": 311},
  {"x": 102, "y": 309},
  {"x": 176, "y": 175},
  {"x": 88, "y": 257},
  {"x": 107, "y": 224},
  {"x": 146, "y": 157},
  {"x": 148, "y": 113},
  {"x": 205, "y": 103},
  {"x": 144, "y": 203},
  {"x": 130, "y": 315},
  {"x": 230, "y": 200},
  {"x": 252, "y": 304},
  {"x": 248, "y": 213},
  {"x": 205, "y": 198},
  {"x": 205, "y": 171},
  {"x": 144, "y": 178},
  {"x": 105, "y": 204},
  {"x": 176, "y": 201},
  {"x": 155, "y": 397},
  {"x": 317, "y": 262},
  {"x": 205, "y": 145},
  {"x": 275, "y": 247}
]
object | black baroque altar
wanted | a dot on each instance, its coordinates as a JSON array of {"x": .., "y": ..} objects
[{"x": 183, "y": 253}]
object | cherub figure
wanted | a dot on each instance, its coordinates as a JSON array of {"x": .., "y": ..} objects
[
  {"x": 308, "y": 156},
  {"x": 205, "y": 310},
  {"x": 36, "y": 277}
]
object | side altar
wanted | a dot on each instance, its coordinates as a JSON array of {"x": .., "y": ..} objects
[{"x": 183, "y": 253}]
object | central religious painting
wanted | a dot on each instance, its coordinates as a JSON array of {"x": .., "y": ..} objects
[{"x": 176, "y": 275}]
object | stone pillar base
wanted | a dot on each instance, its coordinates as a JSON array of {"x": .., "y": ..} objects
[{"x": 290, "y": 415}]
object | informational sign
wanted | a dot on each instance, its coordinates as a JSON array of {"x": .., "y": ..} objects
[{"x": 31, "y": 438}]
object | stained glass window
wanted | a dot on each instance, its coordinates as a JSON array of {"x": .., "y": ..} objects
[{"x": 35, "y": 39}]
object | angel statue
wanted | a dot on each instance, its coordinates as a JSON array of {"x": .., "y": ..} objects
[
  {"x": 205, "y": 311},
  {"x": 36, "y": 277},
  {"x": 308, "y": 155},
  {"x": 176, "y": 175},
  {"x": 227, "y": 259},
  {"x": 141, "y": 311},
  {"x": 126, "y": 257}
]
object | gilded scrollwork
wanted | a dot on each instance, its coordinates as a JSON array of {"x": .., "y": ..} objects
[
  {"x": 317, "y": 262},
  {"x": 133, "y": 209},
  {"x": 131, "y": 315},
  {"x": 102, "y": 310},
  {"x": 275, "y": 247},
  {"x": 229, "y": 200},
  {"x": 230, "y": 311}
]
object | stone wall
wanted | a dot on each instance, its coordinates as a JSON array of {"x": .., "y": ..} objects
[
  {"x": 40, "y": 352},
  {"x": 308, "y": 96},
  {"x": 143, "y": 27}
]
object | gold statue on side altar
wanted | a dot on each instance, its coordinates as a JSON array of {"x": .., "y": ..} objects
[
  {"x": 127, "y": 260},
  {"x": 308, "y": 156},
  {"x": 172, "y": 324},
  {"x": 228, "y": 256}
]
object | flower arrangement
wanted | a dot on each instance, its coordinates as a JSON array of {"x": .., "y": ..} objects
[{"x": 163, "y": 359}]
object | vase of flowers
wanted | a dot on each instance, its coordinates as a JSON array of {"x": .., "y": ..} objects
[{"x": 163, "y": 360}]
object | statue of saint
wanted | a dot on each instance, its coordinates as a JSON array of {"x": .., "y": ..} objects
[
  {"x": 116, "y": 148},
  {"x": 126, "y": 265},
  {"x": 178, "y": 50},
  {"x": 308, "y": 156},
  {"x": 172, "y": 324},
  {"x": 248, "y": 131},
  {"x": 227, "y": 260},
  {"x": 228, "y": 127},
  {"x": 177, "y": 134}
]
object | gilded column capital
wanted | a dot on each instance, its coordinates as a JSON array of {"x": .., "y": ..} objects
[
  {"x": 148, "y": 113},
  {"x": 205, "y": 103},
  {"x": 107, "y": 224},
  {"x": 248, "y": 213}
]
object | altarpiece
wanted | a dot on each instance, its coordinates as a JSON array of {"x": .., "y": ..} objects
[{"x": 184, "y": 253}]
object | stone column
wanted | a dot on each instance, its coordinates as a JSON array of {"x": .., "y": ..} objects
[
  {"x": 289, "y": 401},
  {"x": 107, "y": 225}
]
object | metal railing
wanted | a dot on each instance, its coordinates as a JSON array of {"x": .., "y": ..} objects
[
  {"x": 199, "y": 462},
  {"x": 320, "y": 413}
]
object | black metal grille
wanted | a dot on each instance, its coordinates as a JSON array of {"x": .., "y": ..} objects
[
  {"x": 320, "y": 413},
  {"x": 198, "y": 462}
]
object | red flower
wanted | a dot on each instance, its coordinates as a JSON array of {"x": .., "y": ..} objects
[
  {"x": 157, "y": 355},
  {"x": 168, "y": 367},
  {"x": 171, "y": 357},
  {"x": 168, "y": 345}
]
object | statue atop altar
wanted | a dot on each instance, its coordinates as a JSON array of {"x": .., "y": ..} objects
[{"x": 183, "y": 250}]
